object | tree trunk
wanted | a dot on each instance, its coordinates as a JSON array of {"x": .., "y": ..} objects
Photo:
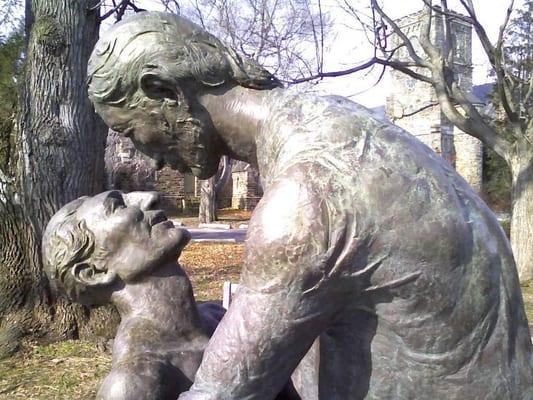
[
  {"x": 15, "y": 285},
  {"x": 223, "y": 175},
  {"x": 58, "y": 156},
  {"x": 522, "y": 211},
  {"x": 208, "y": 209}
]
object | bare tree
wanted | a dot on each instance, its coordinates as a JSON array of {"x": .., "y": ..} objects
[
  {"x": 11, "y": 15},
  {"x": 55, "y": 155},
  {"x": 433, "y": 63},
  {"x": 211, "y": 189},
  {"x": 207, "y": 211},
  {"x": 287, "y": 37}
]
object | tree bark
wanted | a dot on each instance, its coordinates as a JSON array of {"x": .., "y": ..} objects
[
  {"x": 208, "y": 209},
  {"x": 58, "y": 156},
  {"x": 15, "y": 284},
  {"x": 522, "y": 210}
]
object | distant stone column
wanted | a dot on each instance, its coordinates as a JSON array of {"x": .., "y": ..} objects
[{"x": 469, "y": 161}]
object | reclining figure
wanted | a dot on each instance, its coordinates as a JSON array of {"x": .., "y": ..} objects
[
  {"x": 364, "y": 238},
  {"x": 98, "y": 250}
]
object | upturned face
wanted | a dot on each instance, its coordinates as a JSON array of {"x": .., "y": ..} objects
[
  {"x": 134, "y": 241},
  {"x": 167, "y": 132}
]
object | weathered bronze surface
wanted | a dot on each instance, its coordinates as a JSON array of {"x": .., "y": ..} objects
[
  {"x": 364, "y": 237},
  {"x": 99, "y": 250},
  {"x": 114, "y": 248}
]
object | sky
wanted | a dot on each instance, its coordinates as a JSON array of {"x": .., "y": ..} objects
[
  {"x": 360, "y": 87},
  {"x": 348, "y": 47}
]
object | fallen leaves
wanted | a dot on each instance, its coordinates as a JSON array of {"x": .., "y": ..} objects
[
  {"x": 74, "y": 369},
  {"x": 209, "y": 265}
]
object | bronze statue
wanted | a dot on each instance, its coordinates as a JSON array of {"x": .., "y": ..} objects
[
  {"x": 364, "y": 237},
  {"x": 113, "y": 248},
  {"x": 96, "y": 250}
]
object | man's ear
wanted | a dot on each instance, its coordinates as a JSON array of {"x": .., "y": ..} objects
[
  {"x": 87, "y": 275},
  {"x": 156, "y": 86}
]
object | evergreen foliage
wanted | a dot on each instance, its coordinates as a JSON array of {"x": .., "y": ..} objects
[
  {"x": 497, "y": 181},
  {"x": 519, "y": 55},
  {"x": 11, "y": 54}
]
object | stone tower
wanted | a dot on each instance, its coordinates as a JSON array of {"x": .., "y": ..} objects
[{"x": 412, "y": 104}]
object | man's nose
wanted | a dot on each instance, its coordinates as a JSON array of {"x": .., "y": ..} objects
[{"x": 144, "y": 200}]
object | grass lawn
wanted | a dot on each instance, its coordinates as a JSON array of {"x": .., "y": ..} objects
[
  {"x": 66, "y": 370},
  {"x": 209, "y": 265},
  {"x": 72, "y": 370}
]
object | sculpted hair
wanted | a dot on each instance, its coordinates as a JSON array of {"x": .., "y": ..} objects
[
  {"x": 170, "y": 46},
  {"x": 67, "y": 242}
]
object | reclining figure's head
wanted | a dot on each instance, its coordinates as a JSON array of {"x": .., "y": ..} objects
[
  {"x": 95, "y": 245},
  {"x": 144, "y": 75}
]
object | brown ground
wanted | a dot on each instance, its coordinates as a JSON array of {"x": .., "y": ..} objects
[
  {"x": 225, "y": 216},
  {"x": 209, "y": 265},
  {"x": 73, "y": 369}
]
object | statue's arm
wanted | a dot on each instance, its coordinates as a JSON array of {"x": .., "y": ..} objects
[
  {"x": 279, "y": 309},
  {"x": 124, "y": 384},
  {"x": 138, "y": 378}
]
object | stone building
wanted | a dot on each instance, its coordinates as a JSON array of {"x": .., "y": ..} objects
[
  {"x": 180, "y": 191},
  {"x": 128, "y": 170},
  {"x": 247, "y": 189},
  {"x": 412, "y": 104}
]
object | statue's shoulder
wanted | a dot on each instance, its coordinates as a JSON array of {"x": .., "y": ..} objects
[{"x": 326, "y": 114}]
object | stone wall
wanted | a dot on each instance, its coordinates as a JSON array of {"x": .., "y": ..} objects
[
  {"x": 225, "y": 197},
  {"x": 171, "y": 184},
  {"x": 128, "y": 170},
  {"x": 246, "y": 189},
  {"x": 469, "y": 159}
]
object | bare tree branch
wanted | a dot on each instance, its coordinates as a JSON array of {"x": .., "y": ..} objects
[
  {"x": 400, "y": 66},
  {"x": 276, "y": 33},
  {"x": 457, "y": 107},
  {"x": 425, "y": 35},
  {"x": 417, "y": 111},
  {"x": 119, "y": 9},
  {"x": 397, "y": 30},
  {"x": 447, "y": 48}
]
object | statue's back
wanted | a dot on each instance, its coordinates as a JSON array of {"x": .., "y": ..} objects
[{"x": 440, "y": 313}]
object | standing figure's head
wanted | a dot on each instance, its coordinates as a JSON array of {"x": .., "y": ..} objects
[
  {"x": 94, "y": 245},
  {"x": 143, "y": 77}
]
